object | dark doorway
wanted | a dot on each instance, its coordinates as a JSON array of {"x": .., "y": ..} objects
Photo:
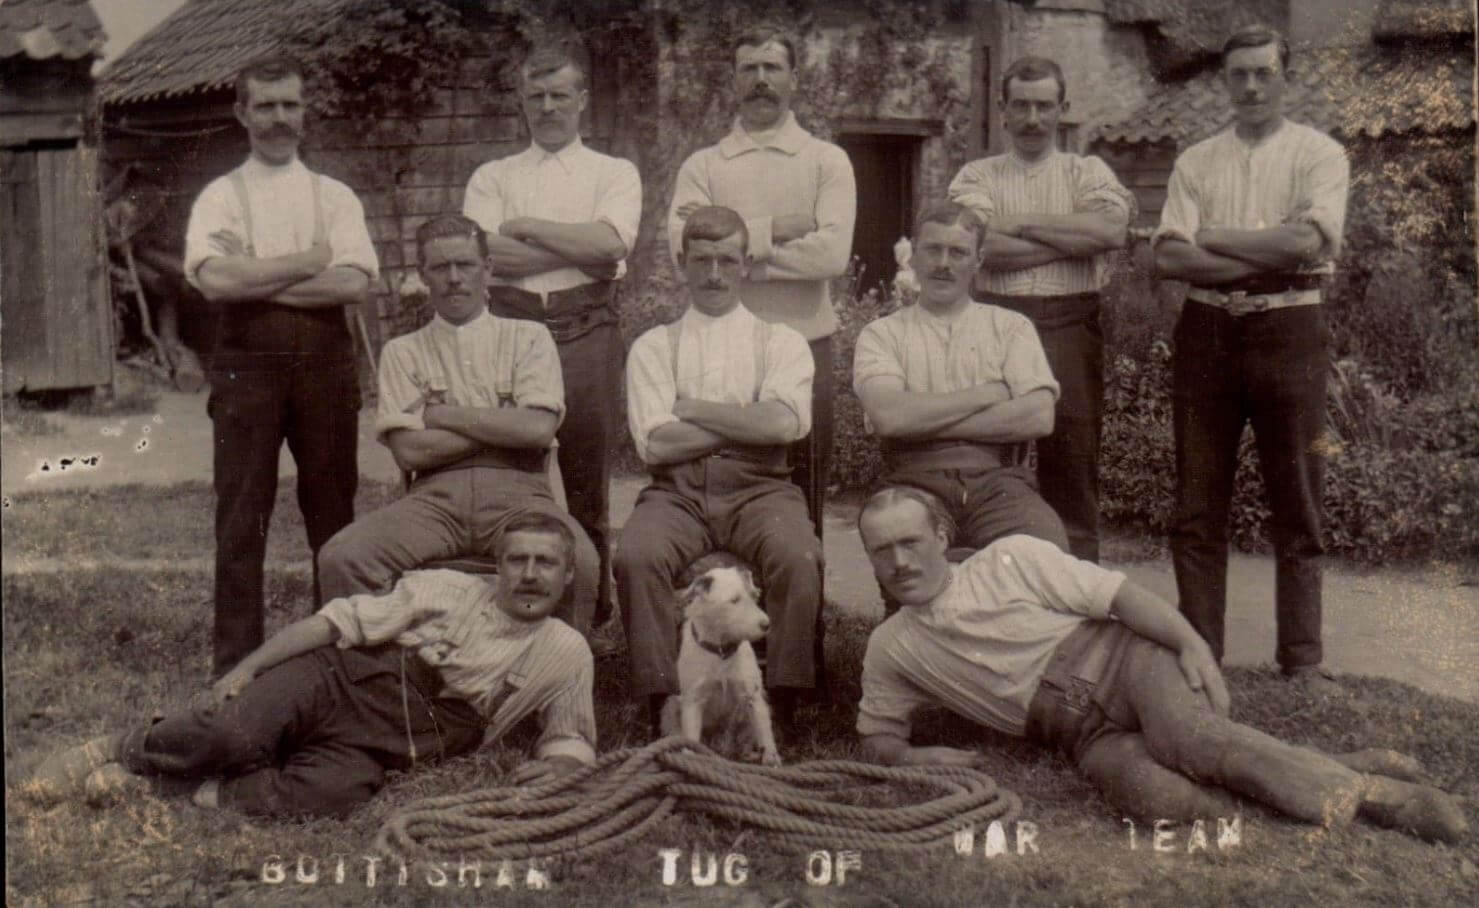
[{"x": 884, "y": 166}]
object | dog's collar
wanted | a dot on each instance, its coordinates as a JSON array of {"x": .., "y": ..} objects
[{"x": 723, "y": 652}]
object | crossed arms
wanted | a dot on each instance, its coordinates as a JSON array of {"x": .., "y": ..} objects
[{"x": 303, "y": 280}]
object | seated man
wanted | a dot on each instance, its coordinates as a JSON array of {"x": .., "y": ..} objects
[
  {"x": 310, "y": 721},
  {"x": 1033, "y": 642},
  {"x": 951, "y": 386},
  {"x": 468, "y": 403},
  {"x": 713, "y": 400}
]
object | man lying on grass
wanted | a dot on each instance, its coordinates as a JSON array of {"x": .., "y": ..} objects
[
  {"x": 1033, "y": 642},
  {"x": 310, "y": 721}
]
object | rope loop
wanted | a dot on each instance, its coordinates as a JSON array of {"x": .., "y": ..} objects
[{"x": 625, "y": 793}]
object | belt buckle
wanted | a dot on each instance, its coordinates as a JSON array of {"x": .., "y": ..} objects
[{"x": 1239, "y": 304}]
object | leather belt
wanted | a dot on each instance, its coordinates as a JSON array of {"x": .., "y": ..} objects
[
  {"x": 568, "y": 314},
  {"x": 1274, "y": 282},
  {"x": 1240, "y": 302}
]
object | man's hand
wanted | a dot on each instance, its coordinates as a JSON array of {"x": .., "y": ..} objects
[
  {"x": 228, "y": 243},
  {"x": 1006, "y": 225},
  {"x": 516, "y": 228},
  {"x": 227, "y": 687},
  {"x": 789, "y": 227},
  {"x": 604, "y": 272},
  {"x": 540, "y": 772},
  {"x": 686, "y": 211},
  {"x": 1203, "y": 676},
  {"x": 945, "y": 756},
  {"x": 685, "y": 409}
]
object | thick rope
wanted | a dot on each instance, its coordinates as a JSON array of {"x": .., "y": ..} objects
[{"x": 627, "y": 792}]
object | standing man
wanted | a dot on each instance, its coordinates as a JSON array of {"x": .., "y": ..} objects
[
  {"x": 283, "y": 250},
  {"x": 799, "y": 201},
  {"x": 1034, "y": 643},
  {"x": 713, "y": 400},
  {"x": 468, "y": 406},
  {"x": 1052, "y": 218},
  {"x": 1252, "y": 220},
  {"x": 953, "y": 388},
  {"x": 561, "y": 220}
]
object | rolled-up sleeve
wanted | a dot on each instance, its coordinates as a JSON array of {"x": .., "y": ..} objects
[
  {"x": 568, "y": 719},
  {"x": 1181, "y": 218},
  {"x": 483, "y": 199},
  {"x": 1063, "y": 583},
  {"x": 367, "y": 619},
  {"x": 349, "y": 237},
  {"x": 1326, "y": 185},
  {"x": 973, "y": 189},
  {"x": 620, "y": 203},
  {"x": 215, "y": 209},
  {"x": 889, "y": 699},
  {"x": 1097, "y": 188},
  {"x": 402, "y": 390},
  {"x": 651, "y": 388},
  {"x": 538, "y": 381},
  {"x": 875, "y": 356},
  {"x": 789, "y": 373}
]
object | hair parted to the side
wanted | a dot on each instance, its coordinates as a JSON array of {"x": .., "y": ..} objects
[
  {"x": 266, "y": 69},
  {"x": 761, "y": 35},
  {"x": 445, "y": 225},
  {"x": 893, "y": 494},
  {"x": 1258, "y": 36},
  {"x": 550, "y": 55},
  {"x": 714, "y": 223},
  {"x": 951, "y": 214},
  {"x": 536, "y": 522},
  {"x": 1031, "y": 69}
]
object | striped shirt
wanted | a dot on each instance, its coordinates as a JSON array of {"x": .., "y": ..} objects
[
  {"x": 716, "y": 362},
  {"x": 1297, "y": 174},
  {"x": 504, "y": 667},
  {"x": 981, "y": 647},
  {"x": 1059, "y": 183},
  {"x": 980, "y": 344},
  {"x": 575, "y": 185},
  {"x": 487, "y": 362}
]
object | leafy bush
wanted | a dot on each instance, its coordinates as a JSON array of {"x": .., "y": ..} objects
[{"x": 857, "y": 460}]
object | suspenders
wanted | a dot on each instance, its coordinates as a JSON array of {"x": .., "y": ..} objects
[
  {"x": 762, "y": 338},
  {"x": 503, "y": 381},
  {"x": 320, "y": 231}
]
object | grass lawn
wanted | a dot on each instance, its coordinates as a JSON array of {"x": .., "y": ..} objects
[{"x": 97, "y": 648}]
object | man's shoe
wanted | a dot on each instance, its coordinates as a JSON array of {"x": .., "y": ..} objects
[
  {"x": 1314, "y": 680},
  {"x": 1382, "y": 761},
  {"x": 111, "y": 783},
  {"x": 1421, "y": 810},
  {"x": 63, "y": 775}
]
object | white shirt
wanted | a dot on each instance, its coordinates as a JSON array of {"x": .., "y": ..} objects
[
  {"x": 453, "y": 622},
  {"x": 575, "y": 185},
  {"x": 282, "y": 218},
  {"x": 1059, "y": 183},
  {"x": 716, "y": 362},
  {"x": 470, "y": 364},
  {"x": 981, "y": 647},
  {"x": 1297, "y": 174}
]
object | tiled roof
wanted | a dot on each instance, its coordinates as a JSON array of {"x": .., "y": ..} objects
[
  {"x": 202, "y": 44},
  {"x": 1187, "y": 32},
  {"x": 1371, "y": 91},
  {"x": 1406, "y": 19},
  {"x": 42, "y": 29}
]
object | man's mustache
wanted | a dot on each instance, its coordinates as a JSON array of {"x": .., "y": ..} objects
[
  {"x": 944, "y": 274},
  {"x": 281, "y": 131},
  {"x": 762, "y": 91},
  {"x": 715, "y": 285}
]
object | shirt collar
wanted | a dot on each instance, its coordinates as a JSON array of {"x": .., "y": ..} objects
[
  {"x": 565, "y": 157},
  {"x": 788, "y": 139},
  {"x": 443, "y": 326},
  {"x": 1265, "y": 142},
  {"x": 255, "y": 168},
  {"x": 1031, "y": 166},
  {"x": 702, "y": 321}
]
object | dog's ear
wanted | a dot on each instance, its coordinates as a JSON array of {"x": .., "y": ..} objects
[
  {"x": 700, "y": 587},
  {"x": 750, "y": 586}
]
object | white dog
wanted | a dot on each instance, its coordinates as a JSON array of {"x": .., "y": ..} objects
[{"x": 721, "y": 693}]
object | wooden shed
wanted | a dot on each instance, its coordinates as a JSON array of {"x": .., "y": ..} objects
[{"x": 56, "y": 324}]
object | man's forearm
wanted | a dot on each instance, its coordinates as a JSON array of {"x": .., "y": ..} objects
[
  {"x": 680, "y": 442},
  {"x": 234, "y": 278},
  {"x": 515, "y": 258},
  {"x": 341, "y": 285},
  {"x": 766, "y": 423},
  {"x": 297, "y": 638},
  {"x": 1281, "y": 248},
  {"x": 1019, "y": 419},
  {"x": 1180, "y": 260},
  {"x": 1152, "y": 617},
  {"x": 592, "y": 243},
  {"x": 427, "y": 449},
  {"x": 907, "y": 414},
  {"x": 504, "y": 427},
  {"x": 1012, "y": 253},
  {"x": 1076, "y": 235}
]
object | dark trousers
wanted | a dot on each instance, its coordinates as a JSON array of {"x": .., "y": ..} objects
[
  {"x": 1118, "y": 705},
  {"x": 719, "y": 503},
  {"x": 312, "y": 735},
  {"x": 811, "y": 457},
  {"x": 312, "y": 402},
  {"x": 1269, "y": 369},
  {"x": 1068, "y": 459},
  {"x": 591, "y": 358}
]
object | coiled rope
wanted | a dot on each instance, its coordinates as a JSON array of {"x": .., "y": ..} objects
[{"x": 627, "y": 792}]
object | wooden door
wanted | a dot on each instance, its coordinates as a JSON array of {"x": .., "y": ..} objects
[{"x": 884, "y": 168}]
